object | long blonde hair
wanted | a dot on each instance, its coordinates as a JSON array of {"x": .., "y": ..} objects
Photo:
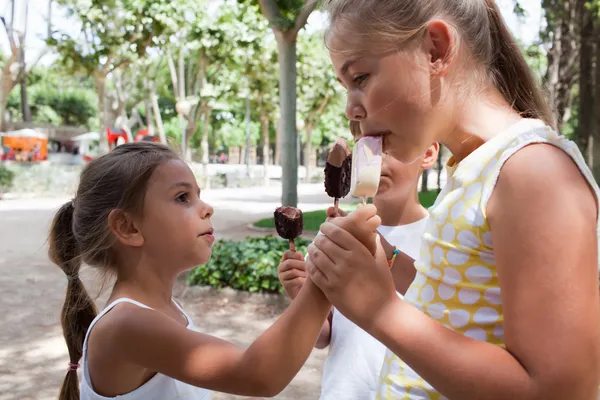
[{"x": 384, "y": 24}]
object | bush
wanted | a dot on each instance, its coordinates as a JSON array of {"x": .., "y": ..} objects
[
  {"x": 250, "y": 265},
  {"x": 6, "y": 179}
]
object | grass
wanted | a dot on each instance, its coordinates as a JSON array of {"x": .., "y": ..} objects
[{"x": 314, "y": 219}]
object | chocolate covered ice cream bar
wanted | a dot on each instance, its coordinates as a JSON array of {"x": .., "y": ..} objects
[
  {"x": 338, "y": 170},
  {"x": 289, "y": 224}
]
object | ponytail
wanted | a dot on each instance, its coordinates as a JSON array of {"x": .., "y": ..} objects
[
  {"x": 79, "y": 310},
  {"x": 511, "y": 73}
]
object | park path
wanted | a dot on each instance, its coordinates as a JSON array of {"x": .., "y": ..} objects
[{"x": 33, "y": 357}]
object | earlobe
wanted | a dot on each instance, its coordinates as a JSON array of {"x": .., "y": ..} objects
[
  {"x": 124, "y": 228},
  {"x": 441, "y": 42}
]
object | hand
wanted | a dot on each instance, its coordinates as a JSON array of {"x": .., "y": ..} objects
[
  {"x": 292, "y": 272},
  {"x": 331, "y": 213},
  {"x": 354, "y": 278}
]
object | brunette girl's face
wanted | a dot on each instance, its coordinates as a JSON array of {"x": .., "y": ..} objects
[{"x": 397, "y": 95}]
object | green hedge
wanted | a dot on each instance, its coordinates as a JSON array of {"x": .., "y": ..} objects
[
  {"x": 250, "y": 265},
  {"x": 6, "y": 178}
]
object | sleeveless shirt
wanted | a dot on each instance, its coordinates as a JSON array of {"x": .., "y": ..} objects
[
  {"x": 456, "y": 281},
  {"x": 159, "y": 387}
]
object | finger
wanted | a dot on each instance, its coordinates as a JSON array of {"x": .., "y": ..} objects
[
  {"x": 364, "y": 211},
  {"x": 335, "y": 253},
  {"x": 321, "y": 260},
  {"x": 291, "y": 278},
  {"x": 291, "y": 255},
  {"x": 331, "y": 212},
  {"x": 317, "y": 276},
  {"x": 291, "y": 265},
  {"x": 339, "y": 236}
]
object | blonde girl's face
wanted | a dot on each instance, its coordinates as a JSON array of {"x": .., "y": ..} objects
[{"x": 392, "y": 95}]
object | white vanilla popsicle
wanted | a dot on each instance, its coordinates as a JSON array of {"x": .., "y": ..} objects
[{"x": 366, "y": 167}]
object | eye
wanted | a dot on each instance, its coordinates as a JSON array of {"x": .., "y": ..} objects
[
  {"x": 183, "y": 198},
  {"x": 359, "y": 79}
]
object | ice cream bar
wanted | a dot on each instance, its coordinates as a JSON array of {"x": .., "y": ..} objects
[
  {"x": 366, "y": 167},
  {"x": 338, "y": 170},
  {"x": 289, "y": 224}
]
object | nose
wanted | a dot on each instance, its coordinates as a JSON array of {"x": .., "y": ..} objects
[
  {"x": 354, "y": 109},
  {"x": 206, "y": 210}
]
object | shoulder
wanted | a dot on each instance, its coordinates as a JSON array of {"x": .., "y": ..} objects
[
  {"x": 126, "y": 324},
  {"x": 541, "y": 177}
]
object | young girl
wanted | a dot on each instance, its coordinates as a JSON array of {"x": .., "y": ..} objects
[
  {"x": 351, "y": 371},
  {"x": 138, "y": 215},
  {"x": 505, "y": 303}
]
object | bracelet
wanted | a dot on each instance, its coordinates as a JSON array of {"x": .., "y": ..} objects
[{"x": 394, "y": 255}]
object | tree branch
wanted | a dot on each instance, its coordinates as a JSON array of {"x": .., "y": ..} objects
[
  {"x": 173, "y": 75},
  {"x": 302, "y": 18},
  {"x": 11, "y": 39},
  {"x": 271, "y": 12}
]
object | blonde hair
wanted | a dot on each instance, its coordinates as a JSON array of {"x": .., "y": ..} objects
[{"x": 385, "y": 24}]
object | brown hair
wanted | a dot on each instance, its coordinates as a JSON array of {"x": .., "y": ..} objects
[
  {"x": 80, "y": 233},
  {"x": 383, "y": 24}
]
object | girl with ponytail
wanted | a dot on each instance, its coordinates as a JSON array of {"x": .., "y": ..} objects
[
  {"x": 138, "y": 216},
  {"x": 505, "y": 301}
]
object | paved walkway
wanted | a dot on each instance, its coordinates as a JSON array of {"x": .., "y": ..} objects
[{"x": 33, "y": 356}]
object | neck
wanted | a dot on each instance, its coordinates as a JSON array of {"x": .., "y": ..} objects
[
  {"x": 392, "y": 215},
  {"x": 145, "y": 282},
  {"x": 479, "y": 121}
]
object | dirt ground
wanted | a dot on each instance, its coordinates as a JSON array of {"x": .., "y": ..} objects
[{"x": 33, "y": 356}]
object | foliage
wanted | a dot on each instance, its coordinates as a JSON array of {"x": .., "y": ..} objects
[
  {"x": 314, "y": 219},
  {"x": 6, "y": 178},
  {"x": 72, "y": 106},
  {"x": 250, "y": 265}
]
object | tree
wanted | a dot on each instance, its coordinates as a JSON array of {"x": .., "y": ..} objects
[
  {"x": 563, "y": 35},
  {"x": 318, "y": 88},
  {"x": 14, "y": 70},
  {"x": 286, "y": 18},
  {"x": 113, "y": 34}
]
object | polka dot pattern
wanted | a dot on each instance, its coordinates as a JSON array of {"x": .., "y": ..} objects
[{"x": 456, "y": 282}]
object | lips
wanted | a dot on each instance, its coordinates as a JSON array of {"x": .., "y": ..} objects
[{"x": 209, "y": 232}]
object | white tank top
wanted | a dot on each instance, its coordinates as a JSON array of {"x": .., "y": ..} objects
[{"x": 159, "y": 387}]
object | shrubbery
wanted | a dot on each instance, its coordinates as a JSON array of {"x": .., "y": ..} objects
[
  {"x": 6, "y": 179},
  {"x": 250, "y": 265}
]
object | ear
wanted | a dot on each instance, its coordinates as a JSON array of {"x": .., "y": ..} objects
[
  {"x": 124, "y": 228},
  {"x": 440, "y": 41},
  {"x": 431, "y": 156}
]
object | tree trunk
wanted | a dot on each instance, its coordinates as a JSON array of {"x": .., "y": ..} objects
[
  {"x": 156, "y": 109},
  {"x": 248, "y": 138},
  {"x": 439, "y": 169},
  {"x": 425, "y": 181},
  {"x": 149, "y": 116},
  {"x": 308, "y": 151},
  {"x": 204, "y": 146},
  {"x": 100, "y": 83},
  {"x": 286, "y": 45},
  {"x": 277, "y": 155},
  {"x": 3, "y": 105},
  {"x": 264, "y": 121},
  {"x": 25, "y": 109},
  {"x": 586, "y": 77},
  {"x": 562, "y": 58}
]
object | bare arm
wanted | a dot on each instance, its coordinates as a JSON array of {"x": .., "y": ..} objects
[
  {"x": 403, "y": 268},
  {"x": 291, "y": 272},
  {"x": 543, "y": 220},
  {"x": 151, "y": 340}
]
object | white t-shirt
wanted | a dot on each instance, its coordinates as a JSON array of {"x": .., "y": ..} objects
[{"x": 351, "y": 371}]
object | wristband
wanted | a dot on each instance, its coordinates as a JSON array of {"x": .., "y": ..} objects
[{"x": 394, "y": 255}]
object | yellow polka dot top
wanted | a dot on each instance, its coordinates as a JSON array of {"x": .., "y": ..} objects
[{"x": 456, "y": 281}]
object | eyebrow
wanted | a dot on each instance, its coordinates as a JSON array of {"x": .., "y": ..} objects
[
  {"x": 347, "y": 65},
  {"x": 186, "y": 185}
]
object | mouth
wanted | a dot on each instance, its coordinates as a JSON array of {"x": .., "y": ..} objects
[{"x": 209, "y": 232}]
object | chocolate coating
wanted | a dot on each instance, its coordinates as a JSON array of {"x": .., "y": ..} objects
[{"x": 288, "y": 222}]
